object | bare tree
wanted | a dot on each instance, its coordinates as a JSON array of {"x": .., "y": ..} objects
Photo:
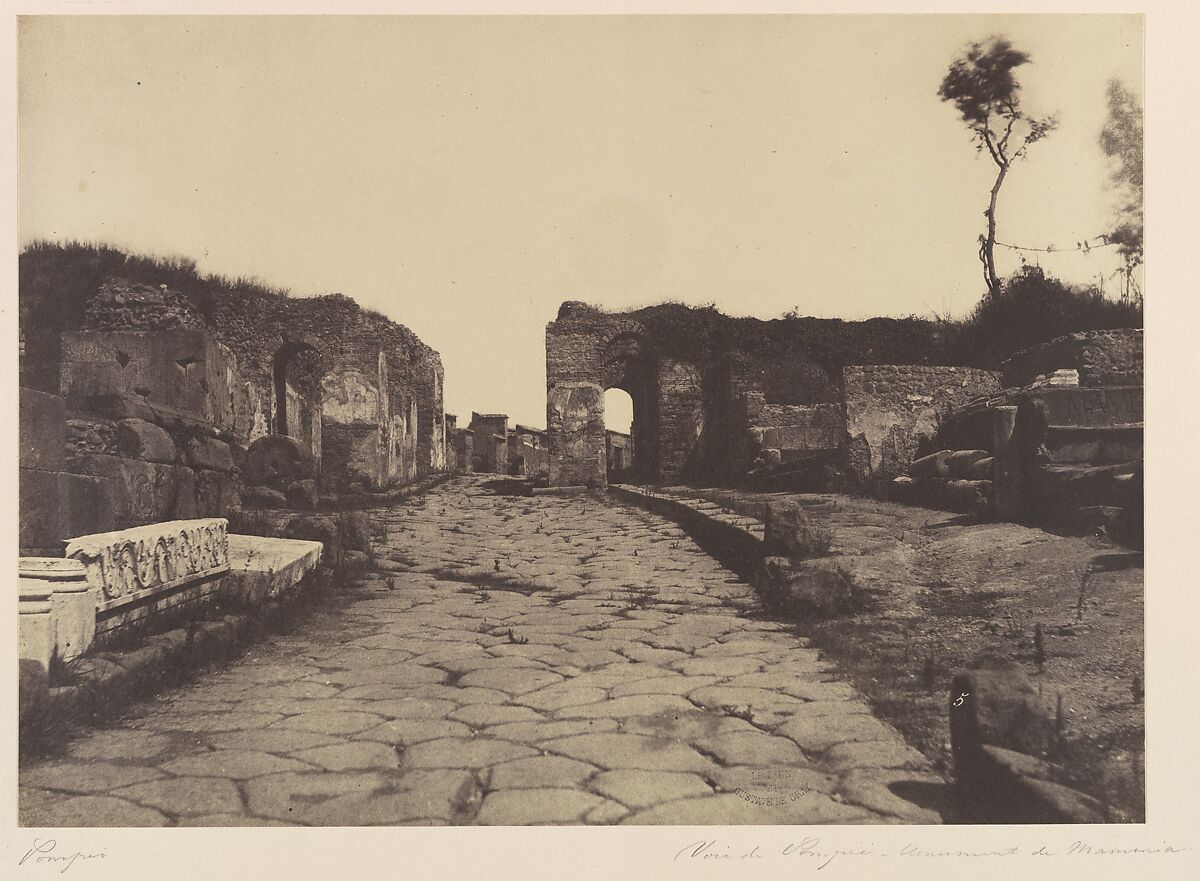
[{"x": 981, "y": 86}]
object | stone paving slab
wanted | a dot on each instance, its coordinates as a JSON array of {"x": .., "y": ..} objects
[{"x": 516, "y": 660}]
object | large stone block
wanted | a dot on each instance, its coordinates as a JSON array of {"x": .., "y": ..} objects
[
  {"x": 139, "y": 439},
  {"x": 208, "y": 453},
  {"x": 217, "y": 493},
  {"x": 87, "y": 504},
  {"x": 181, "y": 368},
  {"x": 144, "y": 492},
  {"x": 40, "y": 510},
  {"x": 995, "y": 704},
  {"x": 42, "y": 423},
  {"x": 276, "y": 461}
]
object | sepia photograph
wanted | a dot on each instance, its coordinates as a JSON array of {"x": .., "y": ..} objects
[{"x": 580, "y": 420}]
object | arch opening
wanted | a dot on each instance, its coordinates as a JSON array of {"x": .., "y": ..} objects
[
  {"x": 296, "y": 385},
  {"x": 618, "y": 435}
]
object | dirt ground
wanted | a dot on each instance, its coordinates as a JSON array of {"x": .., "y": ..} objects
[{"x": 940, "y": 593}]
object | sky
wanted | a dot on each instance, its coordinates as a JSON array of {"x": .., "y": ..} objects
[{"x": 466, "y": 175}]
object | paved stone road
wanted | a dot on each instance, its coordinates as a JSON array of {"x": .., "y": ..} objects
[{"x": 530, "y": 661}]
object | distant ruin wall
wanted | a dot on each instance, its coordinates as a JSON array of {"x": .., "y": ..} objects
[
  {"x": 266, "y": 363},
  {"x": 889, "y": 407},
  {"x": 689, "y": 372},
  {"x": 1102, "y": 357}
]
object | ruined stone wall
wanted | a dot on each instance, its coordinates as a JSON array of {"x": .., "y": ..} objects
[
  {"x": 464, "y": 449},
  {"x": 95, "y": 462},
  {"x": 689, "y": 372},
  {"x": 490, "y": 455},
  {"x": 1102, "y": 357},
  {"x": 350, "y": 342},
  {"x": 889, "y": 407},
  {"x": 527, "y": 453}
]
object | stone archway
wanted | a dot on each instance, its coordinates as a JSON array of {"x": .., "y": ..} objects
[{"x": 296, "y": 395}]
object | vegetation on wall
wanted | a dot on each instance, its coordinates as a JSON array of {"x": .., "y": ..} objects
[{"x": 1033, "y": 308}]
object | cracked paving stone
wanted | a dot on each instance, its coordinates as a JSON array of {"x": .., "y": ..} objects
[
  {"x": 894, "y": 753},
  {"x": 290, "y": 796},
  {"x": 235, "y": 764},
  {"x": 480, "y": 715},
  {"x": 641, "y": 789},
  {"x": 406, "y": 732},
  {"x": 875, "y": 789},
  {"x": 717, "y": 666},
  {"x": 332, "y": 722},
  {"x": 749, "y": 748},
  {"x": 816, "y": 734},
  {"x": 350, "y": 756},
  {"x": 557, "y": 697},
  {"x": 462, "y": 752},
  {"x": 727, "y": 809},
  {"x": 186, "y": 795},
  {"x": 528, "y": 807},
  {"x": 89, "y": 810},
  {"x": 540, "y": 772},
  {"x": 215, "y": 722},
  {"x": 512, "y": 681},
  {"x": 636, "y": 751},
  {"x": 87, "y": 777},
  {"x": 535, "y": 732},
  {"x": 120, "y": 743},
  {"x": 272, "y": 740},
  {"x": 676, "y": 684},
  {"x": 624, "y": 707}
]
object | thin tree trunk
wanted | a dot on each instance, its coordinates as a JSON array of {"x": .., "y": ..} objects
[{"x": 989, "y": 246}]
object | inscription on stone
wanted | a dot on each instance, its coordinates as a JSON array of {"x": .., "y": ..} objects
[{"x": 130, "y": 564}]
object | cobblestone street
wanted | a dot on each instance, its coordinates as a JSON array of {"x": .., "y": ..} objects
[{"x": 510, "y": 660}]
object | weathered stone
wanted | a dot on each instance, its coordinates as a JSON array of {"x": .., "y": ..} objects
[
  {"x": 88, "y": 810},
  {"x": 350, "y": 756},
  {"x": 540, "y": 772},
  {"x": 208, "y": 453},
  {"x": 263, "y": 497},
  {"x": 42, "y": 437},
  {"x": 302, "y": 494},
  {"x": 640, "y": 789},
  {"x": 139, "y": 439},
  {"x": 814, "y": 587},
  {"x": 234, "y": 764},
  {"x": 276, "y": 461},
  {"x": 815, "y": 734},
  {"x": 88, "y": 777},
  {"x": 636, "y": 751},
  {"x": 530, "y": 807},
  {"x": 454, "y": 752},
  {"x": 186, "y": 795},
  {"x": 997, "y": 705},
  {"x": 726, "y": 809}
]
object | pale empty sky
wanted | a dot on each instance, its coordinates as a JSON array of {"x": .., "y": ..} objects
[{"x": 466, "y": 175}]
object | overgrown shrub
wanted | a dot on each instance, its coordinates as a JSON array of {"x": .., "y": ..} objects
[{"x": 1033, "y": 308}]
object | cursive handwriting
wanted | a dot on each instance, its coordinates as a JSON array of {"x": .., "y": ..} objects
[
  {"x": 43, "y": 852},
  {"x": 715, "y": 850}
]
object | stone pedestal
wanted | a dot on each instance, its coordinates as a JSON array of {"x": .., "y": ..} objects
[{"x": 63, "y": 586}]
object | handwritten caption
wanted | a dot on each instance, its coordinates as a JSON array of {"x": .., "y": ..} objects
[
  {"x": 823, "y": 855},
  {"x": 45, "y": 850}
]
